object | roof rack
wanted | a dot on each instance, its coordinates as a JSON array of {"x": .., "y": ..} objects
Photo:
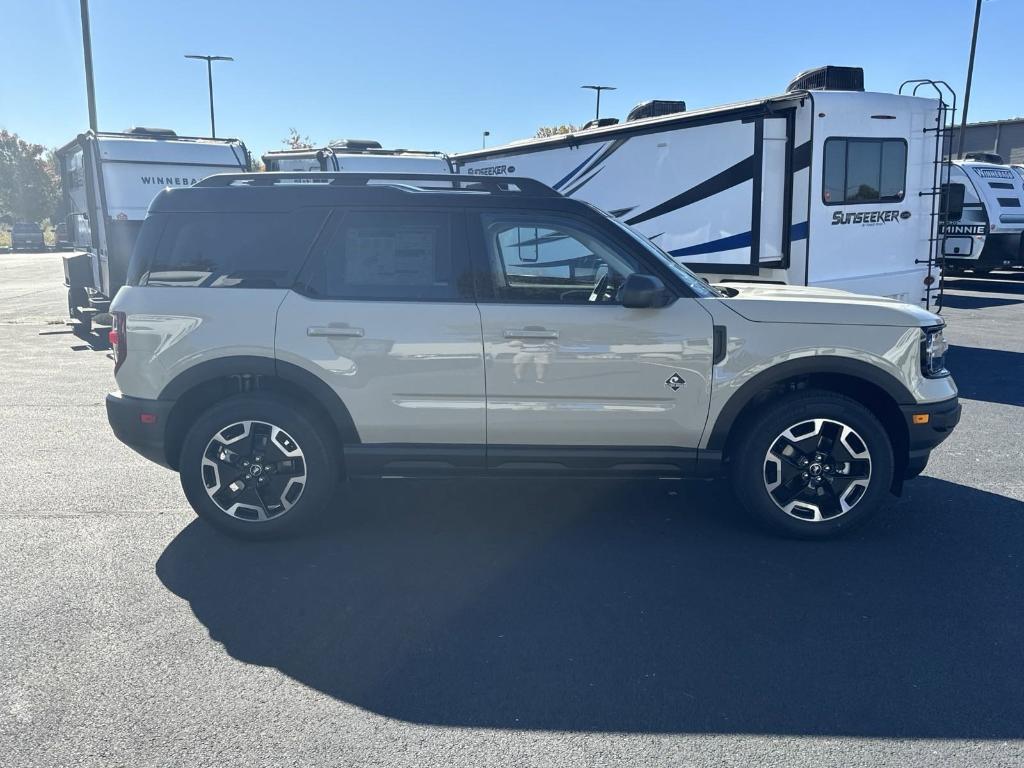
[{"x": 465, "y": 182}]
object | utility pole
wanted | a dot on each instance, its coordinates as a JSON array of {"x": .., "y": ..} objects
[
  {"x": 209, "y": 75},
  {"x": 970, "y": 75},
  {"x": 484, "y": 137},
  {"x": 90, "y": 91},
  {"x": 598, "y": 89}
]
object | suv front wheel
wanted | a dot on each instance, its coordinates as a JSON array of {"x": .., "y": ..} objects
[
  {"x": 256, "y": 466},
  {"x": 812, "y": 464}
]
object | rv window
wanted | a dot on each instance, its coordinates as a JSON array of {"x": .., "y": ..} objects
[
  {"x": 233, "y": 250},
  {"x": 388, "y": 255},
  {"x": 864, "y": 171},
  {"x": 545, "y": 259}
]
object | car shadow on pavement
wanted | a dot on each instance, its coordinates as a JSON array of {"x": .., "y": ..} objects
[
  {"x": 618, "y": 607},
  {"x": 992, "y": 375}
]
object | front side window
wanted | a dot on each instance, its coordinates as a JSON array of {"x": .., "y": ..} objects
[
  {"x": 402, "y": 255},
  {"x": 233, "y": 250},
  {"x": 864, "y": 171},
  {"x": 544, "y": 258}
]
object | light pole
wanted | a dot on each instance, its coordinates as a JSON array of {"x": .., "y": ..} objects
[
  {"x": 209, "y": 75},
  {"x": 598, "y": 89},
  {"x": 970, "y": 75},
  {"x": 90, "y": 92},
  {"x": 484, "y": 138}
]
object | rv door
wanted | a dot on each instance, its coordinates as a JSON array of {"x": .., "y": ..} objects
[{"x": 774, "y": 150}]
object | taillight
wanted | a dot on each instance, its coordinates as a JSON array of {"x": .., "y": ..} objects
[{"x": 118, "y": 338}]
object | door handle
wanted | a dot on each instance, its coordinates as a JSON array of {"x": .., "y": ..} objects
[
  {"x": 530, "y": 333},
  {"x": 334, "y": 330}
]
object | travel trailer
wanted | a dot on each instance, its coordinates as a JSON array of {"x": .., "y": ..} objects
[
  {"x": 358, "y": 156},
  {"x": 824, "y": 185},
  {"x": 987, "y": 234},
  {"x": 108, "y": 181}
]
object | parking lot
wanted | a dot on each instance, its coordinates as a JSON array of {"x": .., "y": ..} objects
[{"x": 513, "y": 623}]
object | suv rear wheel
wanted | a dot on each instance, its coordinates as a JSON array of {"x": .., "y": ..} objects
[
  {"x": 256, "y": 466},
  {"x": 813, "y": 464}
]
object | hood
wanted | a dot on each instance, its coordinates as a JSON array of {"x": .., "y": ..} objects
[{"x": 765, "y": 303}]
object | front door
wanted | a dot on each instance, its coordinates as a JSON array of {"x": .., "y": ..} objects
[{"x": 568, "y": 368}]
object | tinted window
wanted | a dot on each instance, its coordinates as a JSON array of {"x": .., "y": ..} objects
[
  {"x": 543, "y": 258},
  {"x": 864, "y": 171},
  {"x": 233, "y": 250},
  {"x": 398, "y": 255}
]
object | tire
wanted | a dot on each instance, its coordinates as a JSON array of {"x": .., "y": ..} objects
[
  {"x": 793, "y": 490},
  {"x": 278, "y": 496}
]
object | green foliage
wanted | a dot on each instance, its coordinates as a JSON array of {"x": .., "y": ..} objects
[
  {"x": 555, "y": 130},
  {"x": 29, "y": 184}
]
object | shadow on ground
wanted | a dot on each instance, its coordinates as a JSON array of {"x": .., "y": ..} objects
[
  {"x": 962, "y": 301},
  {"x": 992, "y": 375},
  {"x": 608, "y": 607},
  {"x": 94, "y": 340}
]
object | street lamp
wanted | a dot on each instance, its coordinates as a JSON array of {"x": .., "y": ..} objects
[
  {"x": 209, "y": 75},
  {"x": 484, "y": 137},
  {"x": 598, "y": 89},
  {"x": 970, "y": 76}
]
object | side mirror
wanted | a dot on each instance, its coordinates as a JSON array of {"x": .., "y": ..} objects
[{"x": 642, "y": 292}]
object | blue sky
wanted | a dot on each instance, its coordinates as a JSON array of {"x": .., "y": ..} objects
[{"x": 433, "y": 75}]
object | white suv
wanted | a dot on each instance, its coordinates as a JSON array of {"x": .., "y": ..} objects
[{"x": 277, "y": 336}]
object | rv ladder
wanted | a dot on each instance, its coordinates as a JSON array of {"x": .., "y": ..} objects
[{"x": 945, "y": 121}]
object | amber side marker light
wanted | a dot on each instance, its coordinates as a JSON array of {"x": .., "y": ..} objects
[{"x": 920, "y": 418}]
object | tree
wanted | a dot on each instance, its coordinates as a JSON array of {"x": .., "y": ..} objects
[
  {"x": 296, "y": 140},
  {"x": 555, "y": 130},
  {"x": 29, "y": 184}
]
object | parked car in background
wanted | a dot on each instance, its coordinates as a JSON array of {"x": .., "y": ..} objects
[{"x": 26, "y": 236}]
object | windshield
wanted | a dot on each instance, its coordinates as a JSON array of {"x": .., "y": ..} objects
[{"x": 699, "y": 287}]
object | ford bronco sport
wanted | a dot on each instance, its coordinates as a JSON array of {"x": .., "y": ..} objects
[{"x": 275, "y": 336}]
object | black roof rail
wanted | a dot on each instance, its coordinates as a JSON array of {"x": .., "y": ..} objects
[{"x": 498, "y": 184}]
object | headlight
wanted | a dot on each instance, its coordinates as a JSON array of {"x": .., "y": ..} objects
[{"x": 933, "y": 352}]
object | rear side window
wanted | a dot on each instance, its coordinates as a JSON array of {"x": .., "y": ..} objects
[
  {"x": 864, "y": 171},
  {"x": 233, "y": 250},
  {"x": 397, "y": 255}
]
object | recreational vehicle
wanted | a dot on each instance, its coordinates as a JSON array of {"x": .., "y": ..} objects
[
  {"x": 987, "y": 233},
  {"x": 824, "y": 185},
  {"x": 357, "y": 156},
  {"x": 108, "y": 181}
]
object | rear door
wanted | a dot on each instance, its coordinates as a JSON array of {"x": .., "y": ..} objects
[
  {"x": 570, "y": 371},
  {"x": 384, "y": 313}
]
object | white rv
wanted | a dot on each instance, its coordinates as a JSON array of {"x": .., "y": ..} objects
[
  {"x": 357, "y": 156},
  {"x": 108, "y": 181},
  {"x": 824, "y": 185},
  {"x": 987, "y": 233}
]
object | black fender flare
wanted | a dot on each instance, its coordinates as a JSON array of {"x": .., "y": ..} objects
[
  {"x": 259, "y": 365},
  {"x": 803, "y": 366}
]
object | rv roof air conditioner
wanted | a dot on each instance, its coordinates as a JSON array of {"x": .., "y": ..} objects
[
  {"x": 984, "y": 157},
  {"x": 828, "y": 78},
  {"x": 355, "y": 145},
  {"x": 159, "y": 133},
  {"x": 599, "y": 123},
  {"x": 655, "y": 108}
]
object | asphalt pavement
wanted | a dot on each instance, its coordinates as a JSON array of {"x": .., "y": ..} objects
[{"x": 477, "y": 623}]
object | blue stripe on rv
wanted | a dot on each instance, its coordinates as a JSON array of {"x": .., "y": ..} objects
[
  {"x": 742, "y": 240},
  {"x": 572, "y": 173}
]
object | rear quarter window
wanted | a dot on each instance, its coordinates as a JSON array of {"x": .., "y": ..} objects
[{"x": 227, "y": 250}]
